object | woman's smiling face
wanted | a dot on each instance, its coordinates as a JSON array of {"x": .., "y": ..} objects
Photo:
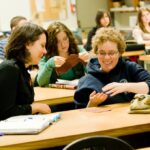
[{"x": 108, "y": 55}]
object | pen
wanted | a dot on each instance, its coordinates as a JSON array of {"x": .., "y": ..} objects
[{"x": 57, "y": 117}]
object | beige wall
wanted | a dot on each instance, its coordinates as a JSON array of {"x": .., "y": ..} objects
[
  {"x": 86, "y": 11},
  {"x": 11, "y": 8}
]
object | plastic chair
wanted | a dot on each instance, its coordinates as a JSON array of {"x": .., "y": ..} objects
[{"x": 98, "y": 143}]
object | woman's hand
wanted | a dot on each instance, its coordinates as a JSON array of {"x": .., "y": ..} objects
[
  {"x": 59, "y": 61},
  {"x": 96, "y": 99},
  {"x": 115, "y": 88},
  {"x": 84, "y": 56},
  {"x": 40, "y": 108}
]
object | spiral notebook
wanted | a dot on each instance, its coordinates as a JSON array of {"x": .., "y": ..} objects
[{"x": 27, "y": 124}]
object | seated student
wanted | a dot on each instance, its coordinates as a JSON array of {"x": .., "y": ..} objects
[
  {"x": 102, "y": 19},
  {"x": 110, "y": 79},
  {"x": 25, "y": 47},
  {"x": 2, "y": 55},
  {"x": 61, "y": 45},
  {"x": 141, "y": 32},
  {"x": 14, "y": 22}
]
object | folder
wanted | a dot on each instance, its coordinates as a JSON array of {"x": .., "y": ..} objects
[{"x": 27, "y": 124}]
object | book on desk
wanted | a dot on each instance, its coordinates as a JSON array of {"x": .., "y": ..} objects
[
  {"x": 65, "y": 84},
  {"x": 27, "y": 124}
]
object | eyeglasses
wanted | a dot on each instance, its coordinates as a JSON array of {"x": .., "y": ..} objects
[{"x": 111, "y": 53}]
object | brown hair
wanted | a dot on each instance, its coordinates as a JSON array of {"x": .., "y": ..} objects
[
  {"x": 99, "y": 15},
  {"x": 15, "y": 20},
  {"x": 52, "y": 30},
  {"x": 25, "y": 34},
  {"x": 140, "y": 22}
]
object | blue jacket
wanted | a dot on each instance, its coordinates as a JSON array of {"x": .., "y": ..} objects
[{"x": 125, "y": 71}]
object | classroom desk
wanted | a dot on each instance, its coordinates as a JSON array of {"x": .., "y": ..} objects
[
  {"x": 75, "y": 124},
  {"x": 146, "y": 59},
  {"x": 53, "y": 96},
  {"x": 133, "y": 53},
  {"x": 145, "y": 148}
]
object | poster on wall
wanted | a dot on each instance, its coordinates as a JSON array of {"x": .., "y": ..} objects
[{"x": 45, "y": 10}]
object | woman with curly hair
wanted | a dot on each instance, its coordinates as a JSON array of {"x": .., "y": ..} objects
[
  {"x": 110, "y": 79},
  {"x": 64, "y": 59}
]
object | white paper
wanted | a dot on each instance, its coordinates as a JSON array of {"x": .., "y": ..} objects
[{"x": 68, "y": 82}]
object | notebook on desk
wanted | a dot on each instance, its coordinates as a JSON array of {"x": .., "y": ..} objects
[
  {"x": 65, "y": 84},
  {"x": 27, "y": 124}
]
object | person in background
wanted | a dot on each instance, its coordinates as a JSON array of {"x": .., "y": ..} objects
[
  {"x": 25, "y": 47},
  {"x": 14, "y": 22},
  {"x": 2, "y": 36},
  {"x": 110, "y": 79},
  {"x": 102, "y": 19},
  {"x": 141, "y": 32},
  {"x": 61, "y": 45}
]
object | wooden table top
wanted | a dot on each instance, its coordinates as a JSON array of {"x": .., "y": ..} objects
[
  {"x": 111, "y": 120},
  {"x": 145, "y": 148},
  {"x": 53, "y": 96},
  {"x": 133, "y": 53},
  {"x": 144, "y": 57}
]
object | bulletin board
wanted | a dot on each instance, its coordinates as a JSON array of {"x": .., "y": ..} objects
[{"x": 46, "y": 10}]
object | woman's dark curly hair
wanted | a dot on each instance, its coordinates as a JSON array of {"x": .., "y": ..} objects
[
  {"x": 19, "y": 38},
  {"x": 52, "y": 30}
]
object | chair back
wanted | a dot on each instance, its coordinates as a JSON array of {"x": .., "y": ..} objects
[
  {"x": 98, "y": 143},
  {"x": 135, "y": 47}
]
